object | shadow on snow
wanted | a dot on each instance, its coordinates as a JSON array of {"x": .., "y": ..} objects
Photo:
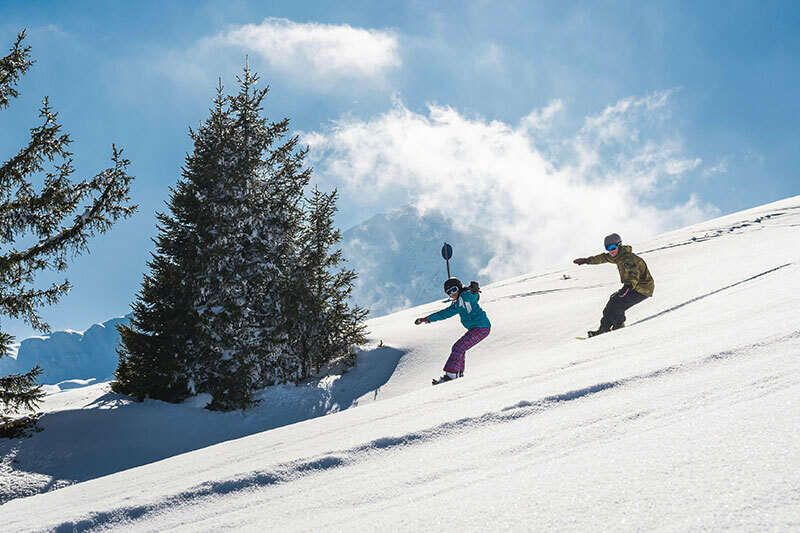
[{"x": 112, "y": 433}]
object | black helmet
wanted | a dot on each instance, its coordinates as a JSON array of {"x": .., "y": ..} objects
[
  {"x": 452, "y": 282},
  {"x": 612, "y": 239}
]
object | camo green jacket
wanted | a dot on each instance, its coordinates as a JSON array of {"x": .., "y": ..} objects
[{"x": 633, "y": 270}]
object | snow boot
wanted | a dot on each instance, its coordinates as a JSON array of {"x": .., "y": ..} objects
[{"x": 445, "y": 378}]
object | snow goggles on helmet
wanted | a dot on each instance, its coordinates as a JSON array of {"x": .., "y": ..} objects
[
  {"x": 451, "y": 290},
  {"x": 611, "y": 247}
]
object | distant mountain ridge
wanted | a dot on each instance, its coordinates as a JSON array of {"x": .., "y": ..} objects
[
  {"x": 65, "y": 355},
  {"x": 398, "y": 257}
]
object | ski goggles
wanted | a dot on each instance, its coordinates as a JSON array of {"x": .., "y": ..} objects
[
  {"x": 451, "y": 290},
  {"x": 612, "y": 247}
]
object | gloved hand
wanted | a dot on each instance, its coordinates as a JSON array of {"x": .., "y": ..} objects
[
  {"x": 423, "y": 320},
  {"x": 473, "y": 287},
  {"x": 581, "y": 261},
  {"x": 623, "y": 292}
]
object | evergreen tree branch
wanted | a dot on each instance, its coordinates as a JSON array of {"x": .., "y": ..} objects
[
  {"x": 12, "y": 67},
  {"x": 20, "y": 391},
  {"x": 108, "y": 207},
  {"x": 26, "y": 213},
  {"x": 24, "y": 302},
  {"x": 46, "y": 144},
  {"x": 41, "y": 213}
]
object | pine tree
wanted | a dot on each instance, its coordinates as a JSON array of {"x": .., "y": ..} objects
[
  {"x": 45, "y": 218},
  {"x": 257, "y": 213},
  {"x": 328, "y": 326},
  {"x": 211, "y": 314},
  {"x": 243, "y": 290}
]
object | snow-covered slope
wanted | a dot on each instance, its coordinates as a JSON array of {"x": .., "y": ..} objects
[
  {"x": 69, "y": 355},
  {"x": 397, "y": 257},
  {"x": 685, "y": 420}
]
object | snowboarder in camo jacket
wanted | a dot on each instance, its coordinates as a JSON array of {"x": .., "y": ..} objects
[
  {"x": 465, "y": 305},
  {"x": 637, "y": 283}
]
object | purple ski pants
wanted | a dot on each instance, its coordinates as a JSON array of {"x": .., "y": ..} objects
[{"x": 455, "y": 363}]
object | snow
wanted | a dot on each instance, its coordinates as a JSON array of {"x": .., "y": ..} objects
[
  {"x": 76, "y": 445},
  {"x": 685, "y": 420},
  {"x": 67, "y": 384}
]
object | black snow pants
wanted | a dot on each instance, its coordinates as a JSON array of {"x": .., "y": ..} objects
[{"x": 614, "y": 313}]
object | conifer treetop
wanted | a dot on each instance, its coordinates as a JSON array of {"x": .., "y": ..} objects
[{"x": 12, "y": 66}]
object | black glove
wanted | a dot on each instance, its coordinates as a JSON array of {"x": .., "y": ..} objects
[
  {"x": 581, "y": 261},
  {"x": 473, "y": 287},
  {"x": 423, "y": 320},
  {"x": 623, "y": 292}
]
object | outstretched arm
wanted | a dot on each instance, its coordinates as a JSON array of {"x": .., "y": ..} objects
[
  {"x": 592, "y": 260},
  {"x": 447, "y": 312}
]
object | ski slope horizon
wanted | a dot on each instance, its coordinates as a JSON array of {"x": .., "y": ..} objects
[{"x": 683, "y": 420}]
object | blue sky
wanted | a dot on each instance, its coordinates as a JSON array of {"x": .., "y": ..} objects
[{"x": 660, "y": 113}]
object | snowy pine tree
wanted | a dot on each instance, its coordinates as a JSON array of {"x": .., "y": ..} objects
[
  {"x": 328, "y": 326},
  {"x": 243, "y": 290},
  {"x": 210, "y": 316},
  {"x": 45, "y": 218},
  {"x": 257, "y": 213}
]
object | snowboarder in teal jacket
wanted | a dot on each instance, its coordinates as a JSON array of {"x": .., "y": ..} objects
[{"x": 465, "y": 305}]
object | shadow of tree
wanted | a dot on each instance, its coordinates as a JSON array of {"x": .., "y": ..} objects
[{"x": 113, "y": 433}]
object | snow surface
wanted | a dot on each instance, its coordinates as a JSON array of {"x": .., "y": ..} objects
[{"x": 685, "y": 420}]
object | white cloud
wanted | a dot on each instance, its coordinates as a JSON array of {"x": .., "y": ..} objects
[
  {"x": 542, "y": 208},
  {"x": 317, "y": 52},
  {"x": 542, "y": 118},
  {"x": 52, "y": 29}
]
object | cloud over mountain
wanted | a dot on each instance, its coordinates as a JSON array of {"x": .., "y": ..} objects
[{"x": 544, "y": 195}]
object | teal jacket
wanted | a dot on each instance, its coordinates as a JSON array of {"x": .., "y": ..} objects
[{"x": 467, "y": 308}]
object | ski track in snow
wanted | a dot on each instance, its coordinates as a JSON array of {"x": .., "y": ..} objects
[
  {"x": 726, "y": 230},
  {"x": 712, "y": 293},
  {"x": 546, "y": 291},
  {"x": 523, "y": 280},
  {"x": 293, "y": 471}
]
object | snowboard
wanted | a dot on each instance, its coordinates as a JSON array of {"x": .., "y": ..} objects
[
  {"x": 438, "y": 381},
  {"x": 585, "y": 337}
]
